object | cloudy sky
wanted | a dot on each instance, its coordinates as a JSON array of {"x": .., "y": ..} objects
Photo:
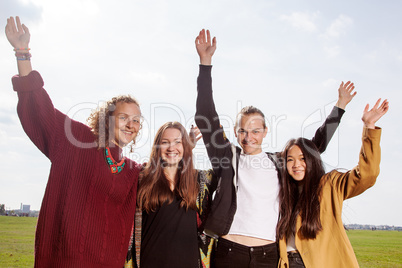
[{"x": 285, "y": 57}]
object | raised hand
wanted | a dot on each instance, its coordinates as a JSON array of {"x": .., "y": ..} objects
[
  {"x": 18, "y": 35},
  {"x": 195, "y": 135},
  {"x": 205, "y": 48},
  {"x": 346, "y": 94},
  {"x": 370, "y": 117}
]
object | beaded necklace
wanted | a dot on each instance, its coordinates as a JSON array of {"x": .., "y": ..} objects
[{"x": 115, "y": 167}]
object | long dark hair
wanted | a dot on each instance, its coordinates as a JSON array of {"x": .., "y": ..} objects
[
  {"x": 306, "y": 202},
  {"x": 154, "y": 189}
]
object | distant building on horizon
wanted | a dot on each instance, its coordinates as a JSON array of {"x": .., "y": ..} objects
[
  {"x": 25, "y": 208},
  {"x": 372, "y": 227},
  {"x": 24, "y": 211}
]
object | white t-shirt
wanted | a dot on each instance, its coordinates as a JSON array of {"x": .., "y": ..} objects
[
  {"x": 257, "y": 198},
  {"x": 291, "y": 244}
]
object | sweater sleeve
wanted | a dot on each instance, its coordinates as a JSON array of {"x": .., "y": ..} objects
[
  {"x": 324, "y": 133},
  {"x": 364, "y": 175},
  {"x": 43, "y": 124},
  {"x": 208, "y": 122}
]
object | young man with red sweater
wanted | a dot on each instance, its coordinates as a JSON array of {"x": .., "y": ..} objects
[{"x": 88, "y": 208}]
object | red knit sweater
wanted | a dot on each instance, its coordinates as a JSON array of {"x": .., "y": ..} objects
[{"x": 87, "y": 212}]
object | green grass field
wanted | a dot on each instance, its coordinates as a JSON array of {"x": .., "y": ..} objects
[
  {"x": 377, "y": 248},
  {"x": 17, "y": 236},
  {"x": 373, "y": 248}
]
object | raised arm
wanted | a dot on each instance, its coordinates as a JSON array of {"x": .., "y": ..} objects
[
  {"x": 43, "y": 124},
  {"x": 364, "y": 175},
  {"x": 35, "y": 109},
  {"x": 206, "y": 116},
  {"x": 18, "y": 35},
  {"x": 324, "y": 134}
]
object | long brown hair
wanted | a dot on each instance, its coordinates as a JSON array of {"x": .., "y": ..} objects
[
  {"x": 305, "y": 203},
  {"x": 154, "y": 189}
]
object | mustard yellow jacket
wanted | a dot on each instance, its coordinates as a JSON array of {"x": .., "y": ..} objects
[{"x": 332, "y": 248}]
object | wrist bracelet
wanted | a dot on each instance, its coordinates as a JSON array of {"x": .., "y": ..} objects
[
  {"x": 23, "y": 56},
  {"x": 21, "y": 49}
]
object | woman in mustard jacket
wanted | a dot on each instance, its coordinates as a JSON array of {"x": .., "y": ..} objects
[{"x": 310, "y": 229}]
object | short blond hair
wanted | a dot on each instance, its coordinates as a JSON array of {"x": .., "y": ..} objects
[{"x": 249, "y": 110}]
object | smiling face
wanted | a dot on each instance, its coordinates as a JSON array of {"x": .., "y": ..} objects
[
  {"x": 250, "y": 132},
  {"x": 171, "y": 146},
  {"x": 295, "y": 163},
  {"x": 127, "y": 122}
]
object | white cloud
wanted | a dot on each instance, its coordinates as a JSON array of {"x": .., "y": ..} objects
[
  {"x": 302, "y": 20},
  {"x": 3, "y": 137},
  {"x": 338, "y": 27},
  {"x": 330, "y": 83},
  {"x": 148, "y": 78},
  {"x": 332, "y": 52},
  {"x": 399, "y": 56},
  {"x": 27, "y": 9}
]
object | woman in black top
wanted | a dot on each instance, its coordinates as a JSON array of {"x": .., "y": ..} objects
[{"x": 174, "y": 200}]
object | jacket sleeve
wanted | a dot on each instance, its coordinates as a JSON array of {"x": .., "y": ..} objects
[
  {"x": 220, "y": 154},
  {"x": 364, "y": 175},
  {"x": 324, "y": 133},
  {"x": 207, "y": 121}
]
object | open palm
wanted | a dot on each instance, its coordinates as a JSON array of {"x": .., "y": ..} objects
[
  {"x": 17, "y": 34},
  {"x": 370, "y": 117},
  {"x": 205, "y": 46}
]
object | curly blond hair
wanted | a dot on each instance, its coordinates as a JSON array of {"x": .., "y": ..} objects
[{"x": 99, "y": 119}]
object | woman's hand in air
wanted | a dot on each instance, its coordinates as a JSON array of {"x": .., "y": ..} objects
[{"x": 370, "y": 117}]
